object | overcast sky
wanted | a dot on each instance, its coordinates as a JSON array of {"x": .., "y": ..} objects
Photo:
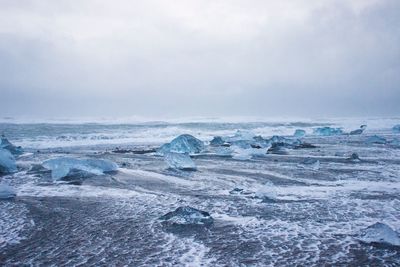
[{"x": 199, "y": 58}]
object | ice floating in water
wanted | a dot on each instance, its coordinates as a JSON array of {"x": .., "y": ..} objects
[
  {"x": 187, "y": 216},
  {"x": 375, "y": 140},
  {"x": 5, "y": 144},
  {"x": 328, "y": 131},
  {"x": 396, "y": 128},
  {"x": 299, "y": 133},
  {"x": 6, "y": 192},
  {"x": 380, "y": 233},
  {"x": 267, "y": 193},
  {"x": 354, "y": 157},
  {"x": 359, "y": 131},
  {"x": 7, "y": 162},
  {"x": 184, "y": 143},
  {"x": 217, "y": 141},
  {"x": 241, "y": 135},
  {"x": 179, "y": 161},
  {"x": 63, "y": 167},
  {"x": 395, "y": 143},
  {"x": 311, "y": 163}
]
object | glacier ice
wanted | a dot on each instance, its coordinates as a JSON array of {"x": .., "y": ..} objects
[
  {"x": 266, "y": 192},
  {"x": 65, "y": 166},
  {"x": 179, "y": 161},
  {"x": 380, "y": 233},
  {"x": 184, "y": 143},
  {"x": 396, "y": 128},
  {"x": 354, "y": 157},
  {"x": 241, "y": 135},
  {"x": 328, "y": 131},
  {"x": 299, "y": 133},
  {"x": 375, "y": 139},
  {"x": 7, "y": 192},
  {"x": 359, "y": 131},
  {"x": 187, "y": 216},
  {"x": 7, "y": 162},
  {"x": 5, "y": 144}
]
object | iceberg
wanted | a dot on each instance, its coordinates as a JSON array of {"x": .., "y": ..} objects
[
  {"x": 7, "y": 162},
  {"x": 396, "y": 128},
  {"x": 179, "y": 161},
  {"x": 359, "y": 131},
  {"x": 187, "y": 216},
  {"x": 184, "y": 143},
  {"x": 5, "y": 144},
  {"x": 7, "y": 192},
  {"x": 299, "y": 133},
  {"x": 328, "y": 131},
  {"x": 375, "y": 140},
  {"x": 64, "y": 167},
  {"x": 380, "y": 233}
]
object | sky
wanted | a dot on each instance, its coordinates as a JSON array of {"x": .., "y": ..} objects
[{"x": 180, "y": 58}]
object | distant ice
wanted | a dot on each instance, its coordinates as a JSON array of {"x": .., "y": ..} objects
[
  {"x": 299, "y": 133},
  {"x": 187, "y": 216},
  {"x": 375, "y": 139},
  {"x": 184, "y": 143},
  {"x": 328, "y": 131}
]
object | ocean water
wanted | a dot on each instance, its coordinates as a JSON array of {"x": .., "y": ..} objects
[{"x": 312, "y": 216}]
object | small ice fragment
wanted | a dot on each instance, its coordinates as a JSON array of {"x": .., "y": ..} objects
[
  {"x": 65, "y": 166},
  {"x": 187, "y": 216},
  {"x": 375, "y": 140},
  {"x": 396, "y": 128},
  {"x": 359, "y": 131},
  {"x": 179, "y": 161},
  {"x": 7, "y": 192},
  {"x": 236, "y": 191},
  {"x": 184, "y": 143},
  {"x": 7, "y": 162},
  {"x": 380, "y": 233},
  {"x": 354, "y": 157},
  {"x": 299, "y": 133},
  {"x": 311, "y": 163},
  {"x": 327, "y": 131},
  {"x": 266, "y": 192}
]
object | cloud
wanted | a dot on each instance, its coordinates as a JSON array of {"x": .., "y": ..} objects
[{"x": 183, "y": 58}]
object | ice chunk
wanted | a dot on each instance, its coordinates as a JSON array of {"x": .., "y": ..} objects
[
  {"x": 241, "y": 135},
  {"x": 179, "y": 161},
  {"x": 311, "y": 163},
  {"x": 5, "y": 144},
  {"x": 7, "y": 192},
  {"x": 187, "y": 216},
  {"x": 65, "y": 166},
  {"x": 359, "y": 131},
  {"x": 184, "y": 143},
  {"x": 354, "y": 157},
  {"x": 299, "y": 133},
  {"x": 396, "y": 128},
  {"x": 380, "y": 233},
  {"x": 266, "y": 192},
  {"x": 328, "y": 131},
  {"x": 217, "y": 141},
  {"x": 7, "y": 162},
  {"x": 375, "y": 140},
  {"x": 395, "y": 143}
]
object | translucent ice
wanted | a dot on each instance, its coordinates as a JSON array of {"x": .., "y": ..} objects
[
  {"x": 217, "y": 141},
  {"x": 63, "y": 167},
  {"x": 184, "y": 143},
  {"x": 7, "y": 162},
  {"x": 5, "y": 144},
  {"x": 380, "y": 233},
  {"x": 187, "y": 216},
  {"x": 299, "y": 133},
  {"x": 241, "y": 135},
  {"x": 266, "y": 192},
  {"x": 396, "y": 128},
  {"x": 179, "y": 161},
  {"x": 311, "y": 163},
  {"x": 6, "y": 192},
  {"x": 327, "y": 131},
  {"x": 359, "y": 131},
  {"x": 375, "y": 140}
]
